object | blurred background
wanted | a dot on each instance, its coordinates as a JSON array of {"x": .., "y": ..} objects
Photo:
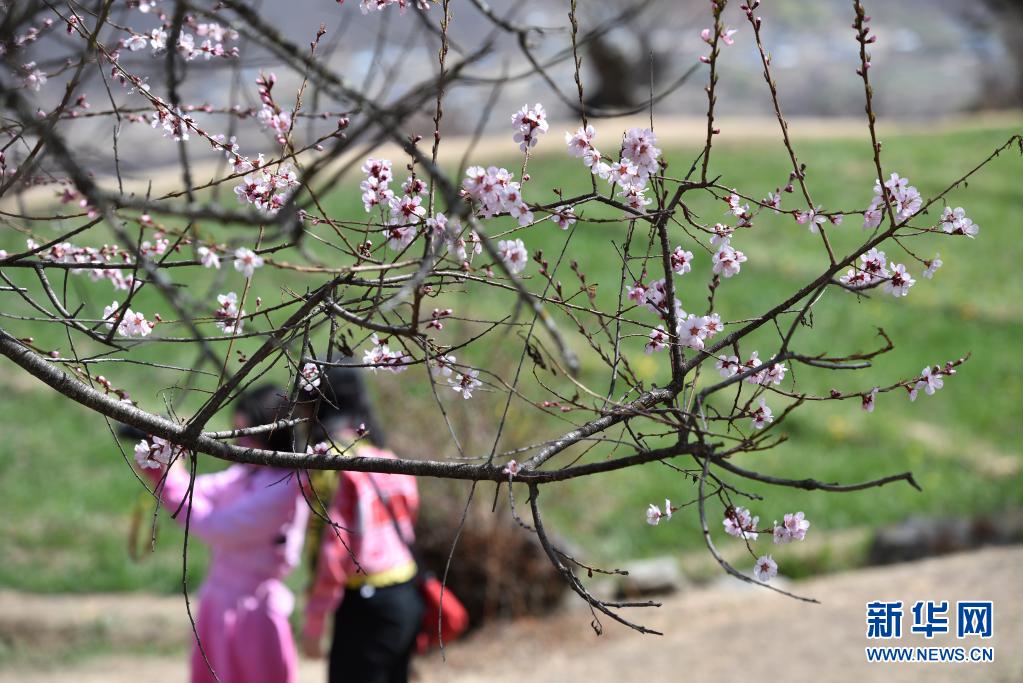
[{"x": 948, "y": 80}]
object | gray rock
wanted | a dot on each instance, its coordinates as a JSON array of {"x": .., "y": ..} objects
[
  {"x": 920, "y": 537},
  {"x": 654, "y": 576}
]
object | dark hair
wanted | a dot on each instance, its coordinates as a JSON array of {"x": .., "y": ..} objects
[
  {"x": 264, "y": 405},
  {"x": 344, "y": 402}
]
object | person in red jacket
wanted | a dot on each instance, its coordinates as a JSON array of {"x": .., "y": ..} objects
[{"x": 365, "y": 573}]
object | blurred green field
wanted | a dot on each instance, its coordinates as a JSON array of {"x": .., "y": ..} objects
[{"x": 66, "y": 493}]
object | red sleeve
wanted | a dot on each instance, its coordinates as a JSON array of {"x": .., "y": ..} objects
[{"x": 333, "y": 562}]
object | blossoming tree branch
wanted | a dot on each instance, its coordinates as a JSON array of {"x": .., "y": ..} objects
[{"x": 383, "y": 287}]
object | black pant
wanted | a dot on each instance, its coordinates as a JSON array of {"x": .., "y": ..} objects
[{"x": 374, "y": 636}]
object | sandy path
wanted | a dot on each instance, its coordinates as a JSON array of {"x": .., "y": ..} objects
[
  {"x": 672, "y": 131},
  {"x": 726, "y": 632}
]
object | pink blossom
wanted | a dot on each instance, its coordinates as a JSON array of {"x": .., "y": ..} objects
[
  {"x": 727, "y": 365},
  {"x": 320, "y": 448},
  {"x": 514, "y": 254},
  {"x": 155, "y": 452},
  {"x": 956, "y": 222},
  {"x": 727, "y": 261},
  {"x": 765, "y": 569},
  {"x": 229, "y": 318},
  {"x": 793, "y": 528},
  {"x": 581, "y": 142},
  {"x": 34, "y": 78},
  {"x": 309, "y": 378},
  {"x": 208, "y": 257},
  {"x": 563, "y": 217},
  {"x": 812, "y": 218},
  {"x": 407, "y": 209},
  {"x": 762, "y": 416},
  {"x": 658, "y": 340},
  {"x": 466, "y": 383},
  {"x": 380, "y": 357},
  {"x": 133, "y": 324},
  {"x": 932, "y": 266},
  {"x": 681, "y": 261},
  {"x": 900, "y": 281},
  {"x": 869, "y": 400},
  {"x": 930, "y": 381},
  {"x": 654, "y": 514},
  {"x": 692, "y": 331},
  {"x": 740, "y": 523},
  {"x": 246, "y": 261},
  {"x": 529, "y": 124}
]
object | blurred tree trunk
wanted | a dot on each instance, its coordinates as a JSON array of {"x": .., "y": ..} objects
[{"x": 1009, "y": 21}]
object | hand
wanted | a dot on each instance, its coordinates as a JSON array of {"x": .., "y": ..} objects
[{"x": 311, "y": 646}]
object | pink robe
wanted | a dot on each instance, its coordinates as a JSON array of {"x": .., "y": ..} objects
[{"x": 253, "y": 519}]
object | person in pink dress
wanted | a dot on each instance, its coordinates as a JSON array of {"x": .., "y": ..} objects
[{"x": 253, "y": 518}]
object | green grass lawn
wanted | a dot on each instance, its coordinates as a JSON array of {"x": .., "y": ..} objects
[{"x": 66, "y": 494}]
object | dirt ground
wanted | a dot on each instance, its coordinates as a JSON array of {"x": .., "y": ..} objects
[{"x": 729, "y": 631}]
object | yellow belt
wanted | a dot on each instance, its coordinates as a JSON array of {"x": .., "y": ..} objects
[{"x": 389, "y": 577}]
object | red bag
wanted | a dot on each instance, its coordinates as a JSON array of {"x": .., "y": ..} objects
[{"x": 451, "y": 614}]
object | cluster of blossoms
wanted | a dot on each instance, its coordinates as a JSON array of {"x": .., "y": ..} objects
[
  {"x": 529, "y": 124},
  {"x": 174, "y": 122},
  {"x": 210, "y": 38},
  {"x": 931, "y": 379},
  {"x": 320, "y": 448},
  {"x": 265, "y": 189},
  {"x": 229, "y": 317},
  {"x": 692, "y": 330},
  {"x": 874, "y": 269},
  {"x": 460, "y": 248},
  {"x": 654, "y": 514},
  {"x": 376, "y": 187},
  {"x": 729, "y": 366},
  {"x": 496, "y": 193},
  {"x": 726, "y": 35},
  {"x": 740, "y": 522},
  {"x": 563, "y": 217},
  {"x": 905, "y": 200},
  {"x": 514, "y": 254},
  {"x": 464, "y": 382},
  {"x": 381, "y": 357},
  {"x": 65, "y": 252},
  {"x": 815, "y": 219},
  {"x": 271, "y": 116},
  {"x": 727, "y": 259},
  {"x": 737, "y": 208},
  {"x": 133, "y": 323},
  {"x": 956, "y": 222},
  {"x": 406, "y": 211},
  {"x": 309, "y": 377},
  {"x": 33, "y": 78},
  {"x": 638, "y": 161},
  {"x": 155, "y": 452},
  {"x": 367, "y": 6},
  {"x": 792, "y": 528},
  {"x": 762, "y": 416}
]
